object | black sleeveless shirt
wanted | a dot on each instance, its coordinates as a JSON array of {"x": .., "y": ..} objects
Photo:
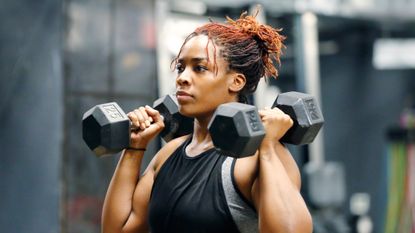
[{"x": 187, "y": 195}]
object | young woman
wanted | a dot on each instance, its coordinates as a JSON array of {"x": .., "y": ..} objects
[{"x": 189, "y": 186}]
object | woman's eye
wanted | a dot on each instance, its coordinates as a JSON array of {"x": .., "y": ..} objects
[
  {"x": 199, "y": 68},
  {"x": 179, "y": 68}
]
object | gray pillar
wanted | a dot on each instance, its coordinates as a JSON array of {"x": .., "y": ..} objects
[{"x": 308, "y": 70}]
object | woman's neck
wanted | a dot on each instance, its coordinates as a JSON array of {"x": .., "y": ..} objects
[{"x": 201, "y": 139}]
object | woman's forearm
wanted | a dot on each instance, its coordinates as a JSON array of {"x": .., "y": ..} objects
[
  {"x": 118, "y": 200},
  {"x": 289, "y": 164}
]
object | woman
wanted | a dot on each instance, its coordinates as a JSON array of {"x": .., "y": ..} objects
[{"x": 189, "y": 186}]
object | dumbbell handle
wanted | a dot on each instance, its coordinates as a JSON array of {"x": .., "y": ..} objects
[
  {"x": 135, "y": 128},
  {"x": 114, "y": 111}
]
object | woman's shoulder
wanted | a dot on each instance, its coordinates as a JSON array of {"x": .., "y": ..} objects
[
  {"x": 245, "y": 173},
  {"x": 166, "y": 151}
]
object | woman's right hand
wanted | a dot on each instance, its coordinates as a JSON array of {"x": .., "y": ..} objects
[{"x": 147, "y": 123}]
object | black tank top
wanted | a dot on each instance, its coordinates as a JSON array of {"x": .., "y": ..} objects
[{"x": 187, "y": 195}]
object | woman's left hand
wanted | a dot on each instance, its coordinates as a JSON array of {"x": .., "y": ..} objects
[{"x": 276, "y": 123}]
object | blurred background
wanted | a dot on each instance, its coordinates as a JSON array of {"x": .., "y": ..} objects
[{"x": 58, "y": 58}]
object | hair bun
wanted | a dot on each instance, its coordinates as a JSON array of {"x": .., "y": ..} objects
[{"x": 270, "y": 37}]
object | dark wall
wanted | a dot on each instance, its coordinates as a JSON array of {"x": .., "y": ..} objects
[
  {"x": 360, "y": 103},
  {"x": 109, "y": 55},
  {"x": 59, "y": 58},
  {"x": 30, "y": 115}
]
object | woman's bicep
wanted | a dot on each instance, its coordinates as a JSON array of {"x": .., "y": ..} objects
[
  {"x": 138, "y": 219},
  {"x": 289, "y": 163}
]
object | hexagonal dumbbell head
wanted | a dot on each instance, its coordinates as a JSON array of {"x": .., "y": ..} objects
[
  {"x": 176, "y": 125},
  {"x": 236, "y": 129},
  {"x": 106, "y": 129},
  {"x": 306, "y": 114}
]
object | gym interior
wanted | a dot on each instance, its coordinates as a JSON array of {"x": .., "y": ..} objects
[{"x": 61, "y": 57}]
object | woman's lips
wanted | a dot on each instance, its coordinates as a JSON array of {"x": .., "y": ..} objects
[{"x": 183, "y": 96}]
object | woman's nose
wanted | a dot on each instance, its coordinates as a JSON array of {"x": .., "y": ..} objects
[{"x": 183, "y": 78}]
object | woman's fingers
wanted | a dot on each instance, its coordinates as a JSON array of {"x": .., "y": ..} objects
[
  {"x": 270, "y": 112},
  {"x": 147, "y": 119},
  {"x": 140, "y": 118},
  {"x": 275, "y": 121},
  {"x": 154, "y": 115}
]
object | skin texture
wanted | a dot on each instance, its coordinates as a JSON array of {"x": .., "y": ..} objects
[{"x": 269, "y": 179}]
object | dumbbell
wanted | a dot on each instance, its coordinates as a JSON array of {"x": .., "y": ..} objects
[
  {"x": 236, "y": 129},
  {"x": 106, "y": 128}
]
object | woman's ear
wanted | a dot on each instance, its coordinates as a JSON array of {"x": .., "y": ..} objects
[{"x": 237, "y": 82}]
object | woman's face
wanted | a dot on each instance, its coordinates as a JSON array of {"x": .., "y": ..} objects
[{"x": 200, "y": 89}]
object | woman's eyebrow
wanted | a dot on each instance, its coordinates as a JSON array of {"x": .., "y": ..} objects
[
  {"x": 194, "y": 59},
  {"x": 199, "y": 59}
]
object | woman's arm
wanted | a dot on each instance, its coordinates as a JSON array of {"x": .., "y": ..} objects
[
  {"x": 127, "y": 195},
  {"x": 126, "y": 201},
  {"x": 275, "y": 192}
]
